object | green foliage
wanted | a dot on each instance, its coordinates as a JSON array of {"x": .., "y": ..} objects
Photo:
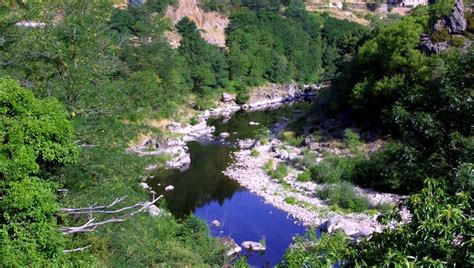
[
  {"x": 291, "y": 200},
  {"x": 265, "y": 45},
  {"x": 441, "y": 35},
  {"x": 438, "y": 233},
  {"x": 352, "y": 141},
  {"x": 35, "y": 134},
  {"x": 439, "y": 9},
  {"x": 313, "y": 251},
  {"x": 304, "y": 176},
  {"x": 458, "y": 41},
  {"x": 344, "y": 196},
  {"x": 279, "y": 173},
  {"x": 334, "y": 168},
  {"x": 291, "y": 138},
  {"x": 255, "y": 153},
  {"x": 29, "y": 235},
  {"x": 207, "y": 66}
]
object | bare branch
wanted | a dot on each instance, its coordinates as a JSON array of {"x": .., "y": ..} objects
[
  {"x": 91, "y": 225},
  {"x": 92, "y": 208},
  {"x": 76, "y": 249}
]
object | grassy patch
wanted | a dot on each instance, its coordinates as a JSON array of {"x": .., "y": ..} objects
[
  {"x": 255, "y": 153},
  {"x": 279, "y": 173},
  {"x": 291, "y": 200},
  {"x": 291, "y": 138},
  {"x": 305, "y": 176},
  {"x": 334, "y": 168},
  {"x": 344, "y": 196}
]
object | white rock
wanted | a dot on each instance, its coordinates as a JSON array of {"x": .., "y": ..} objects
[
  {"x": 254, "y": 123},
  {"x": 144, "y": 185},
  {"x": 155, "y": 211},
  {"x": 216, "y": 223},
  {"x": 254, "y": 246},
  {"x": 169, "y": 188},
  {"x": 224, "y": 135}
]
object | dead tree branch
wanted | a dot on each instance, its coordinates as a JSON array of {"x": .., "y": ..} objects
[
  {"x": 91, "y": 224},
  {"x": 76, "y": 249}
]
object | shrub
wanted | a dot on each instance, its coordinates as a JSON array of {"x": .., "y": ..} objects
[
  {"x": 255, "y": 153},
  {"x": 457, "y": 41},
  {"x": 280, "y": 172},
  {"x": 290, "y": 200},
  {"x": 268, "y": 167},
  {"x": 291, "y": 138},
  {"x": 311, "y": 250},
  {"x": 344, "y": 196},
  {"x": 287, "y": 135},
  {"x": 334, "y": 168},
  {"x": 193, "y": 121},
  {"x": 352, "y": 141},
  {"x": 309, "y": 159},
  {"x": 441, "y": 35},
  {"x": 262, "y": 134},
  {"x": 305, "y": 176}
]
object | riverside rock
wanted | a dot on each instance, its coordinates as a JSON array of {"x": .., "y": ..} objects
[
  {"x": 224, "y": 135},
  {"x": 169, "y": 188},
  {"x": 350, "y": 228},
  {"x": 226, "y": 97},
  {"x": 253, "y": 246},
  {"x": 232, "y": 248}
]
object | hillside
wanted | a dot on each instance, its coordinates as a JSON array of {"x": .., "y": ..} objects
[{"x": 212, "y": 24}]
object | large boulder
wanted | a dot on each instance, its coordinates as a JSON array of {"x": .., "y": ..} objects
[
  {"x": 350, "y": 228},
  {"x": 226, "y": 97},
  {"x": 456, "y": 22},
  {"x": 429, "y": 47},
  {"x": 253, "y": 246}
]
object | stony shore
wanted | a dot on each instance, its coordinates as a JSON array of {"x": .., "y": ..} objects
[{"x": 308, "y": 209}]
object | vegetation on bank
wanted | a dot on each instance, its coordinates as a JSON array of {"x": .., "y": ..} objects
[
  {"x": 424, "y": 104},
  {"x": 82, "y": 86}
]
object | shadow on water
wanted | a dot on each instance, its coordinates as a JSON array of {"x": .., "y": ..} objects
[
  {"x": 203, "y": 182},
  {"x": 205, "y": 191}
]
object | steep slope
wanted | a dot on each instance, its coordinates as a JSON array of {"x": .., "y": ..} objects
[{"x": 212, "y": 24}]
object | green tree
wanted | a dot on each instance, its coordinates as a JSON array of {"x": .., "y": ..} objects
[{"x": 36, "y": 135}]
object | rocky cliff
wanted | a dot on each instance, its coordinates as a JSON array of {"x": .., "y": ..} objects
[{"x": 212, "y": 24}]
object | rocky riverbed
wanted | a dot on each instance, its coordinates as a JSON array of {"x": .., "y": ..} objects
[
  {"x": 175, "y": 148},
  {"x": 305, "y": 207}
]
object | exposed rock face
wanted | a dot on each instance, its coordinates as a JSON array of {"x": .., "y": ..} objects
[
  {"x": 213, "y": 24},
  {"x": 456, "y": 22},
  {"x": 429, "y": 47},
  {"x": 226, "y": 97}
]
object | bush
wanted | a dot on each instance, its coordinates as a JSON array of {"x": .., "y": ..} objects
[
  {"x": 305, "y": 176},
  {"x": 441, "y": 35},
  {"x": 255, "y": 153},
  {"x": 344, "y": 196},
  {"x": 352, "y": 141},
  {"x": 458, "y": 41},
  {"x": 280, "y": 172},
  {"x": 290, "y": 200},
  {"x": 291, "y": 138},
  {"x": 309, "y": 159},
  {"x": 262, "y": 134},
  {"x": 312, "y": 250},
  {"x": 268, "y": 167},
  {"x": 334, "y": 168}
]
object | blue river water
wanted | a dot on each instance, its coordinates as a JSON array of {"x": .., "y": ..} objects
[{"x": 204, "y": 190}]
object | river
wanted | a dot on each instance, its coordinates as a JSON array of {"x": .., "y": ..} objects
[{"x": 203, "y": 190}]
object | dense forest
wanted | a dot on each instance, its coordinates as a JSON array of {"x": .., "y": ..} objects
[{"x": 75, "y": 91}]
